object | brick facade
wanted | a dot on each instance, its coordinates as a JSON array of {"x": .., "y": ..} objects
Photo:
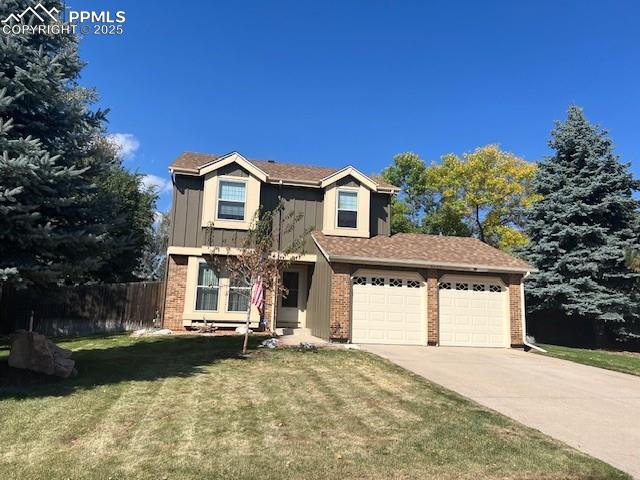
[
  {"x": 515, "y": 309},
  {"x": 340, "y": 310},
  {"x": 176, "y": 289},
  {"x": 432, "y": 307},
  {"x": 269, "y": 308}
]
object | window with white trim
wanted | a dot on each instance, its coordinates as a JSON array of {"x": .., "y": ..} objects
[
  {"x": 231, "y": 200},
  {"x": 238, "y": 298},
  {"x": 207, "y": 288},
  {"x": 347, "y": 206}
]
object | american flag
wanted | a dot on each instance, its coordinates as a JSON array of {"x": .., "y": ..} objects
[{"x": 257, "y": 294}]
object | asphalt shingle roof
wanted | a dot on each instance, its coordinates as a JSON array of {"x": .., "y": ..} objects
[
  {"x": 427, "y": 249},
  {"x": 192, "y": 162}
]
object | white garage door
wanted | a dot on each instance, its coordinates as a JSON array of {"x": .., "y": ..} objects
[
  {"x": 473, "y": 312},
  {"x": 388, "y": 308}
]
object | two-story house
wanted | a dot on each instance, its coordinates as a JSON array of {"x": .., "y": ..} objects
[{"x": 356, "y": 282}]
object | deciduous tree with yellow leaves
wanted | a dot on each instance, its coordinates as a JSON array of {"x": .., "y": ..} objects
[
  {"x": 483, "y": 193},
  {"x": 490, "y": 189}
]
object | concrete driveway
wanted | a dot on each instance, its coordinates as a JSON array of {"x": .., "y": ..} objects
[{"x": 594, "y": 410}]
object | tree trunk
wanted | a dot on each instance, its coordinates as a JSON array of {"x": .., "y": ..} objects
[
  {"x": 479, "y": 223},
  {"x": 274, "y": 306},
  {"x": 600, "y": 334},
  {"x": 246, "y": 331}
]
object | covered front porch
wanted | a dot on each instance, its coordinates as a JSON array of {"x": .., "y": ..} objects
[
  {"x": 211, "y": 299},
  {"x": 291, "y": 306}
]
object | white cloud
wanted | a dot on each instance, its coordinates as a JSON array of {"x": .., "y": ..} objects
[
  {"x": 127, "y": 144},
  {"x": 162, "y": 185}
]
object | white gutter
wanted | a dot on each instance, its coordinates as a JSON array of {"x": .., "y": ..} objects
[
  {"x": 418, "y": 263},
  {"x": 524, "y": 318},
  {"x": 423, "y": 264}
]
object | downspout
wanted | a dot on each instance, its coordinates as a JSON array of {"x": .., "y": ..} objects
[
  {"x": 166, "y": 264},
  {"x": 524, "y": 318},
  {"x": 274, "y": 294}
]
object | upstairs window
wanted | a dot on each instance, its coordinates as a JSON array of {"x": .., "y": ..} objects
[
  {"x": 347, "y": 209},
  {"x": 231, "y": 199},
  {"x": 207, "y": 288}
]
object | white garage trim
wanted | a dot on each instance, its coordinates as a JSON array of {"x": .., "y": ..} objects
[
  {"x": 388, "y": 307},
  {"x": 469, "y": 317}
]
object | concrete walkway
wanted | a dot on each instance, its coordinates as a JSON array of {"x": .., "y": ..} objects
[
  {"x": 292, "y": 337},
  {"x": 594, "y": 410}
]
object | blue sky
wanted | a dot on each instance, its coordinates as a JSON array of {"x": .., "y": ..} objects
[{"x": 355, "y": 82}]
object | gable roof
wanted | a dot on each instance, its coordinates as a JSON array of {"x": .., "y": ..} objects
[
  {"x": 415, "y": 249},
  {"x": 346, "y": 172},
  {"x": 234, "y": 157},
  {"x": 193, "y": 163}
]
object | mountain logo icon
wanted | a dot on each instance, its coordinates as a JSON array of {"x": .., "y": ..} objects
[{"x": 39, "y": 12}]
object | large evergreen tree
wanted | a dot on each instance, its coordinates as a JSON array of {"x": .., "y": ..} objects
[
  {"x": 59, "y": 222},
  {"x": 581, "y": 229}
]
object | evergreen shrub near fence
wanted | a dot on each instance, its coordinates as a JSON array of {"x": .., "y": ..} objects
[{"x": 83, "y": 310}]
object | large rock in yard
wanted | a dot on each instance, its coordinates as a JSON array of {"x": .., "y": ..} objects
[{"x": 32, "y": 351}]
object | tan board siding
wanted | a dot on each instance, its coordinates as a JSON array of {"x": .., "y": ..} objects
[{"x": 319, "y": 302}]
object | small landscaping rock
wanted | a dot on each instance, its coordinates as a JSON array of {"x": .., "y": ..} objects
[
  {"x": 151, "y": 332},
  {"x": 269, "y": 343},
  {"x": 206, "y": 329},
  {"x": 242, "y": 330}
]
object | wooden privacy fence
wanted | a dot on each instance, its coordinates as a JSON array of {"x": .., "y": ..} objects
[{"x": 85, "y": 309}]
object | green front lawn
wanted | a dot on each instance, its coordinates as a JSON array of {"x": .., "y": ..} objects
[
  {"x": 624, "y": 362},
  {"x": 190, "y": 407}
]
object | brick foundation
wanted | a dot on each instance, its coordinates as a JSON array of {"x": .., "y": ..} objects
[
  {"x": 340, "y": 310},
  {"x": 176, "y": 289}
]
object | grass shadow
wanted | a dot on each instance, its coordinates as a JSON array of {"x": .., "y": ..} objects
[{"x": 125, "y": 359}]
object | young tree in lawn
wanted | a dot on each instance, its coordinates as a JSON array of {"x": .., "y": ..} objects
[
  {"x": 261, "y": 259},
  {"x": 582, "y": 228}
]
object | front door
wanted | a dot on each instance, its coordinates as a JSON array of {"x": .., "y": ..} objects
[{"x": 292, "y": 307}]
